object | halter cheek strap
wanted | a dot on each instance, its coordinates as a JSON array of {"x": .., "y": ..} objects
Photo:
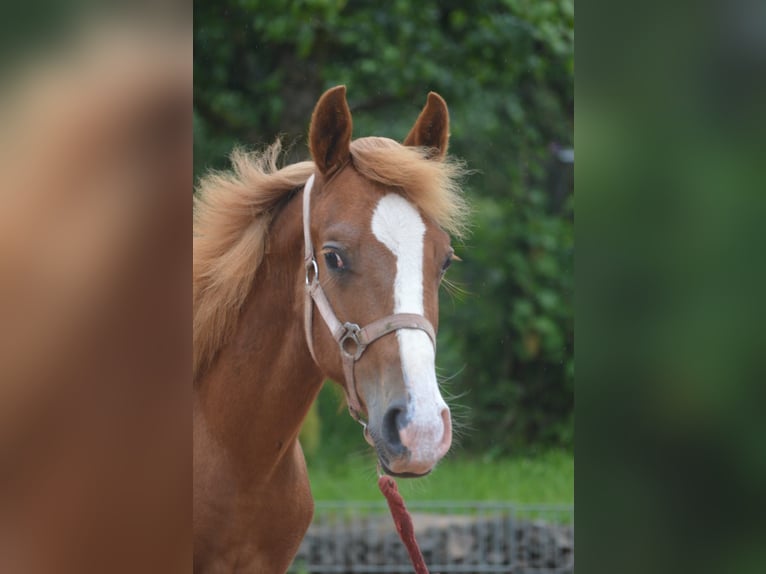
[{"x": 351, "y": 338}]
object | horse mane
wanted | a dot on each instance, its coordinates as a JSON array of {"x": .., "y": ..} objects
[
  {"x": 233, "y": 211},
  {"x": 432, "y": 185}
]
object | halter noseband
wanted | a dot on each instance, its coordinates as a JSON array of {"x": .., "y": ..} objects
[{"x": 351, "y": 338}]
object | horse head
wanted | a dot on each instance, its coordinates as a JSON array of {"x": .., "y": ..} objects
[{"x": 376, "y": 254}]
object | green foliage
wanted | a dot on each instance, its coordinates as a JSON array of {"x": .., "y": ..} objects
[
  {"x": 506, "y": 69},
  {"x": 311, "y": 432},
  {"x": 510, "y": 336}
]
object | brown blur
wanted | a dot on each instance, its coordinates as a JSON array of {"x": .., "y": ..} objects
[{"x": 95, "y": 261}]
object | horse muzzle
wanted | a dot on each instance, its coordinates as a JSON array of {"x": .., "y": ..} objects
[{"x": 410, "y": 446}]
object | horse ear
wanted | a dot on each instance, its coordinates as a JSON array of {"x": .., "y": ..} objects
[
  {"x": 330, "y": 130},
  {"x": 432, "y": 127}
]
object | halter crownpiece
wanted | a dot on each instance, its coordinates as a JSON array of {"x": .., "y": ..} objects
[{"x": 351, "y": 338}]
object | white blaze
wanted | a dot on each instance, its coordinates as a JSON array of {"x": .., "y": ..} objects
[{"x": 398, "y": 226}]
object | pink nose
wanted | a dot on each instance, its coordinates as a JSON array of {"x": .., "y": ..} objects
[{"x": 426, "y": 441}]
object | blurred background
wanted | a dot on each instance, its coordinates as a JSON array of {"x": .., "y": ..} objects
[
  {"x": 95, "y": 257},
  {"x": 506, "y": 70}
]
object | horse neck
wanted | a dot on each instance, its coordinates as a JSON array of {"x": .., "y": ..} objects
[{"x": 264, "y": 380}]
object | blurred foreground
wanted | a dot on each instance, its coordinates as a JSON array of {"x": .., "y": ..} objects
[
  {"x": 670, "y": 289},
  {"x": 95, "y": 174}
]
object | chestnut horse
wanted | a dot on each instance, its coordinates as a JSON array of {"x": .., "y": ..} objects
[{"x": 323, "y": 269}]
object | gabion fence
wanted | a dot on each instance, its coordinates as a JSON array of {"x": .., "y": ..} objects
[{"x": 356, "y": 537}]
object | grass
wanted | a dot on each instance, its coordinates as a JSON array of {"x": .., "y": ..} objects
[
  {"x": 342, "y": 467},
  {"x": 545, "y": 478}
]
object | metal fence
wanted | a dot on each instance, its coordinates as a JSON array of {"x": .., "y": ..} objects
[{"x": 356, "y": 537}]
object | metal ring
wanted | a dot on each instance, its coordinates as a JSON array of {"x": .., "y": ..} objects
[
  {"x": 309, "y": 265},
  {"x": 351, "y": 333}
]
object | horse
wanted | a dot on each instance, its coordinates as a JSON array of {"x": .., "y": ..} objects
[{"x": 323, "y": 269}]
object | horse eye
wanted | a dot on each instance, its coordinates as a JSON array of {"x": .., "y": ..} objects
[
  {"x": 334, "y": 260},
  {"x": 446, "y": 265}
]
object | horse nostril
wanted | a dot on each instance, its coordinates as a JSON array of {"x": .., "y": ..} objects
[{"x": 394, "y": 419}]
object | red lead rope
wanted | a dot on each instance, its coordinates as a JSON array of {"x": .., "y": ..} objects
[{"x": 403, "y": 522}]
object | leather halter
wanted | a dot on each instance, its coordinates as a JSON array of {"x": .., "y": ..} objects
[{"x": 351, "y": 338}]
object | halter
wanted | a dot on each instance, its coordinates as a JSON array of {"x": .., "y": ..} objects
[{"x": 351, "y": 338}]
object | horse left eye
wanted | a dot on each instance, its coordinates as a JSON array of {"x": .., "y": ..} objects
[{"x": 446, "y": 265}]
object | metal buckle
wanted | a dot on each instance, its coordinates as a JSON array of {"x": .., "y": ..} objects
[
  {"x": 351, "y": 334},
  {"x": 358, "y": 418},
  {"x": 309, "y": 265}
]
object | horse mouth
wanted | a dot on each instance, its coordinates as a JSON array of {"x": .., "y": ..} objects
[
  {"x": 383, "y": 460},
  {"x": 389, "y": 472}
]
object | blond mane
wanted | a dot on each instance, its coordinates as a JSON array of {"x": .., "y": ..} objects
[{"x": 234, "y": 209}]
